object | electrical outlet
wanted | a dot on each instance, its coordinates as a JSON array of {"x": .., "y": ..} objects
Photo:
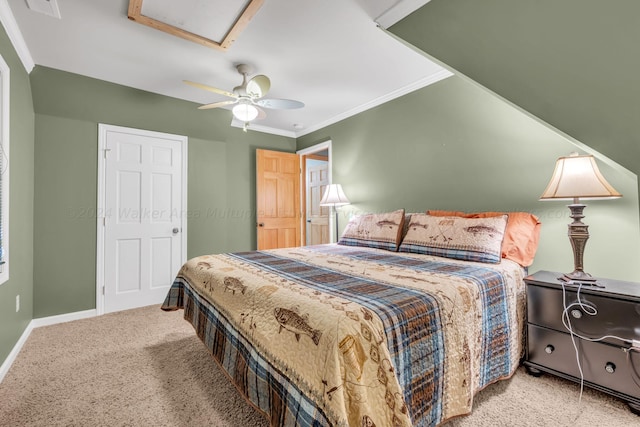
[{"x": 17, "y": 303}]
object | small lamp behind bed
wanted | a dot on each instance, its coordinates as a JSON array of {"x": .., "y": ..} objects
[
  {"x": 578, "y": 177},
  {"x": 334, "y": 197}
]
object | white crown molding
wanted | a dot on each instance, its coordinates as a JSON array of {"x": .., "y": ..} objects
[
  {"x": 399, "y": 11},
  {"x": 15, "y": 35},
  {"x": 419, "y": 84},
  {"x": 253, "y": 127}
]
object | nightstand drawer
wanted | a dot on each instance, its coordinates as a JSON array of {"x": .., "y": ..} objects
[
  {"x": 603, "y": 364},
  {"x": 614, "y": 316}
]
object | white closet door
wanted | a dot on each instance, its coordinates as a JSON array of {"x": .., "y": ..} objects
[{"x": 143, "y": 244}]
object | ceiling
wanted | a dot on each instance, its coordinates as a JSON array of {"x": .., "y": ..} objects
[{"x": 329, "y": 54}]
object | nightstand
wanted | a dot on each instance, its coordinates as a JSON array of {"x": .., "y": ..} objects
[{"x": 609, "y": 365}]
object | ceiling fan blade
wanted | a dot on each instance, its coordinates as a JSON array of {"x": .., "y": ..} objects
[
  {"x": 279, "y": 104},
  {"x": 216, "y": 105},
  {"x": 261, "y": 114},
  {"x": 258, "y": 86},
  {"x": 211, "y": 89}
]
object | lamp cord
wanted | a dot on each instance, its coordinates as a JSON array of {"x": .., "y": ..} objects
[{"x": 566, "y": 321}]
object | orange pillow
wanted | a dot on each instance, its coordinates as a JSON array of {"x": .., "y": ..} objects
[{"x": 521, "y": 236}]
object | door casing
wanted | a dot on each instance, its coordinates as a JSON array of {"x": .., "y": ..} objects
[{"x": 326, "y": 145}]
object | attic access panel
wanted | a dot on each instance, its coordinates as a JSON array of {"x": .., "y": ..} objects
[{"x": 212, "y": 23}]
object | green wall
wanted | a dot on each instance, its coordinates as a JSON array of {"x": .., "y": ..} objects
[
  {"x": 451, "y": 145},
  {"x": 572, "y": 63},
  {"x": 221, "y": 178},
  {"x": 454, "y": 145},
  {"x": 21, "y": 179}
]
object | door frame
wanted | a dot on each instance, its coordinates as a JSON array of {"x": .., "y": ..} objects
[
  {"x": 101, "y": 211},
  {"x": 326, "y": 145}
]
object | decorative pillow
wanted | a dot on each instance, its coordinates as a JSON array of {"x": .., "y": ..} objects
[
  {"x": 383, "y": 231},
  {"x": 469, "y": 239},
  {"x": 405, "y": 225},
  {"x": 520, "y": 238}
]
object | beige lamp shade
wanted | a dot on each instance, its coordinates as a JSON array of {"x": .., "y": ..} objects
[
  {"x": 576, "y": 177},
  {"x": 334, "y": 196}
]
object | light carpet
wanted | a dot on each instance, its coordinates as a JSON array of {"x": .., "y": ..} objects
[{"x": 146, "y": 367}]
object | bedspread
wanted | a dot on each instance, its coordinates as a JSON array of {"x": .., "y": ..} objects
[{"x": 332, "y": 335}]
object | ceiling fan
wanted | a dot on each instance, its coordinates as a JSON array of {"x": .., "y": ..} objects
[{"x": 248, "y": 97}]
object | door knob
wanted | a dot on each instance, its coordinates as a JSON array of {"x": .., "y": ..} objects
[
  {"x": 261, "y": 224},
  {"x": 176, "y": 230}
]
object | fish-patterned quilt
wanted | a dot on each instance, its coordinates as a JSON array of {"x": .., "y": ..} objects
[{"x": 334, "y": 335}]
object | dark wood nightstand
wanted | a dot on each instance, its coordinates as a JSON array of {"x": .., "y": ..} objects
[{"x": 610, "y": 365}]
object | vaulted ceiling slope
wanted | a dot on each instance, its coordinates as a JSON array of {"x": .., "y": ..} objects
[
  {"x": 572, "y": 63},
  {"x": 328, "y": 54}
]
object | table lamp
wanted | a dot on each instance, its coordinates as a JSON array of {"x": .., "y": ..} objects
[
  {"x": 334, "y": 197},
  {"x": 578, "y": 177}
]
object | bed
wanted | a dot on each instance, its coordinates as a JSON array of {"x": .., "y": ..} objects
[{"x": 374, "y": 331}]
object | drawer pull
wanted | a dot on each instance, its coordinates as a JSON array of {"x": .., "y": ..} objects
[
  {"x": 576, "y": 313},
  {"x": 549, "y": 349},
  {"x": 610, "y": 367}
]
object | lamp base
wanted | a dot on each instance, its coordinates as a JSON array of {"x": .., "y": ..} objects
[
  {"x": 580, "y": 278},
  {"x": 578, "y": 235}
]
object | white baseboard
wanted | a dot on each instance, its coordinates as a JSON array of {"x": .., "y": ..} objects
[
  {"x": 36, "y": 323},
  {"x": 62, "y": 318},
  {"x": 16, "y": 349}
]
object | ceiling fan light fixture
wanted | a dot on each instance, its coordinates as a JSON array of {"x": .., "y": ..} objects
[
  {"x": 245, "y": 112},
  {"x": 248, "y": 97}
]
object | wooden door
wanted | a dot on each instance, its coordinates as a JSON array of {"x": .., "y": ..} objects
[
  {"x": 278, "y": 199},
  {"x": 317, "y": 216},
  {"x": 143, "y": 245}
]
